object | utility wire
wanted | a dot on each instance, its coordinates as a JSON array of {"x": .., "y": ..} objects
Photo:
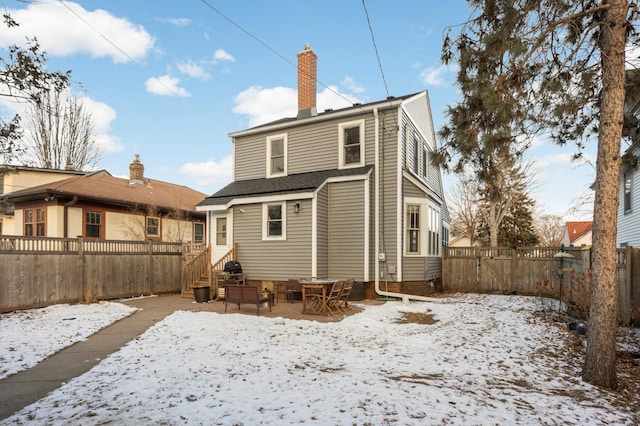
[
  {"x": 235, "y": 24},
  {"x": 375, "y": 47},
  {"x": 170, "y": 89}
]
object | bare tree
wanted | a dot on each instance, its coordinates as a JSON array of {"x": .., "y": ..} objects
[
  {"x": 60, "y": 133},
  {"x": 550, "y": 230},
  {"x": 23, "y": 78},
  {"x": 464, "y": 204}
]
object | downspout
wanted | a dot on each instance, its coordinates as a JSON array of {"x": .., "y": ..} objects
[
  {"x": 66, "y": 215},
  {"x": 405, "y": 297}
]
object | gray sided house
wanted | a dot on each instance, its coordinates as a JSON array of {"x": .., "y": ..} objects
[
  {"x": 629, "y": 189},
  {"x": 341, "y": 193}
]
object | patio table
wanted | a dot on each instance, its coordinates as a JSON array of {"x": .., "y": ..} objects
[{"x": 318, "y": 284}]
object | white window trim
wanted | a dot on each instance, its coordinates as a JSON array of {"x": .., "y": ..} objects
[
  {"x": 265, "y": 224},
  {"x": 341, "y": 128},
  {"x": 422, "y": 202},
  {"x": 438, "y": 227},
  {"x": 271, "y": 173}
]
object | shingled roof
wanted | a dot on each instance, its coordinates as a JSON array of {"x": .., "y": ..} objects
[
  {"x": 302, "y": 182},
  {"x": 578, "y": 229},
  {"x": 101, "y": 187}
]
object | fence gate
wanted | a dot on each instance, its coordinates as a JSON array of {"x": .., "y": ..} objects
[{"x": 498, "y": 269}]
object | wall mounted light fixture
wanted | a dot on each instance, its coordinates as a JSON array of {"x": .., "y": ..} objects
[{"x": 296, "y": 208}]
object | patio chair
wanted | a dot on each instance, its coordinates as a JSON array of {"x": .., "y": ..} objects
[
  {"x": 343, "y": 301},
  {"x": 293, "y": 289},
  {"x": 333, "y": 298}
]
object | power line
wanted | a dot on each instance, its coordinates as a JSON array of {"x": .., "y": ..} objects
[
  {"x": 235, "y": 24},
  {"x": 375, "y": 47},
  {"x": 115, "y": 45}
]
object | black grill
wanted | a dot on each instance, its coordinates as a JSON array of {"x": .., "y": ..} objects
[{"x": 233, "y": 267}]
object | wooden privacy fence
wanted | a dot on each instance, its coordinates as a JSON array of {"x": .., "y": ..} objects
[
  {"x": 537, "y": 271},
  {"x": 38, "y": 272}
]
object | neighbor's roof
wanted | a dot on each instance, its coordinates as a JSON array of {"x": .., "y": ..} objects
[
  {"x": 101, "y": 187},
  {"x": 303, "y": 182},
  {"x": 578, "y": 229}
]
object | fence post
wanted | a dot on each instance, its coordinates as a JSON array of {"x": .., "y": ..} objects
[
  {"x": 151, "y": 273},
  {"x": 86, "y": 292}
]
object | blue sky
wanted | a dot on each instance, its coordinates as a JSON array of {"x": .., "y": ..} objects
[{"x": 170, "y": 79}]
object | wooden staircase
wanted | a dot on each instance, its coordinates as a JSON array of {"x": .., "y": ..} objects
[{"x": 198, "y": 271}]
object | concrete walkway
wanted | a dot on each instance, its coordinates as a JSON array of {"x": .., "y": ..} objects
[{"x": 28, "y": 386}]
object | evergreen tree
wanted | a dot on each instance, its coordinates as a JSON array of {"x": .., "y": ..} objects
[{"x": 556, "y": 67}]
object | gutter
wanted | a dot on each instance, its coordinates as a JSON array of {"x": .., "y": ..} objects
[{"x": 405, "y": 297}]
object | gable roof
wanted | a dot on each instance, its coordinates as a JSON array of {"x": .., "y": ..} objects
[
  {"x": 101, "y": 187},
  {"x": 578, "y": 229},
  {"x": 302, "y": 182},
  {"x": 329, "y": 114}
]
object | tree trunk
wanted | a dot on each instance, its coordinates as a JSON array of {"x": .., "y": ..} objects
[{"x": 600, "y": 360}]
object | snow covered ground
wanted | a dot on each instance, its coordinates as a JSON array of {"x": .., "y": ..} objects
[{"x": 472, "y": 360}]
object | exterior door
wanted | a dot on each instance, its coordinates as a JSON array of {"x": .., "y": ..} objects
[{"x": 221, "y": 236}]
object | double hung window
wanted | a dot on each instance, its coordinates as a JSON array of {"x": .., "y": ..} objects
[
  {"x": 351, "y": 141},
  {"x": 93, "y": 224},
  {"x": 277, "y": 155},
  {"x": 274, "y": 221},
  {"x": 153, "y": 227}
]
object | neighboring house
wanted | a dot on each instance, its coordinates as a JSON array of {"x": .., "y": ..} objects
[
  {"x": 342, "y": 193},
  {"x": 577, "y": 234},
  {"x": 629, "y": 193},
  {"x": 15, "y": 178},
  {"x": 462, "y": 240},
  {"x": 98, "y": 205}
]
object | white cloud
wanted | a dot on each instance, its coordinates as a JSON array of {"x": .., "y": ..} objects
[
  {"x": 432, "y": 76},
  {"x": 178, "y": 22},
  {"x": 208, "y": 172},
  {"x": 66, "y": 28},
  {"x": 193, "y": 70},
  {"x": 166, "y": 86},
  {"x": 221, "y": 56},
  {"x": 350, "y": 84},
  {"x": 103, "y": 115},
  {"x": 263, "y": 105}
]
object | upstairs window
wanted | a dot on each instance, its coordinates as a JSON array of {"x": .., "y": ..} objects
[
  {"x": 415, "y": 153},
  {"x": 277, "y": 155},
  {"x": 274, "y": 225},
  {"x": 627, "y": 191},
  {"x": 425, "y": 161},
  {"x": 351, "y": 141},
  {"x": 153, "y": 227},
  {"x": 92, "y": 224}
]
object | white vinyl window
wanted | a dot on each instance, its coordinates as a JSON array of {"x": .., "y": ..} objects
[
  {"x": 277, "y": 155},
  {"x": 274, "y": 221},
  {"x": 425, "y": 161},
  {"x": 351, "y": 141},
  {"x": 434, "y": 231},
  {"x": 413, "y": 228}
]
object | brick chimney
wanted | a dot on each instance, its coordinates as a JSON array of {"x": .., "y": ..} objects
[
  {"x": 136, "y": 171},
  {"x": 307, "y": 70}
]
